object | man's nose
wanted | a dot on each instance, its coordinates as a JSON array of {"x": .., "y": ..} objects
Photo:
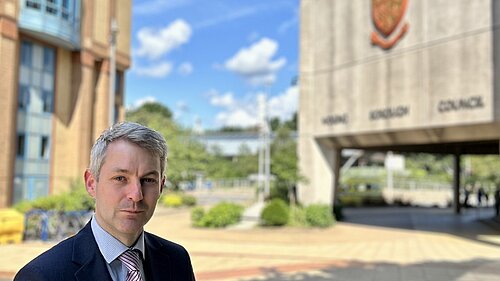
[{"x": 135, "y": 191}]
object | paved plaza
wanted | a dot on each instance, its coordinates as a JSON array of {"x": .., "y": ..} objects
[{"x": 372, "y": 244}]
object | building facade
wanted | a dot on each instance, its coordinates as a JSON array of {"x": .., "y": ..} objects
[
  {"x": 55, "y": 61},
  {"x": 395, "y": 75}
]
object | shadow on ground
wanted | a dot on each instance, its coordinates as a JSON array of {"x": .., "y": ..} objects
[
  {"x": 471, "y": 224},
  {"x": 436, "y": 271}
]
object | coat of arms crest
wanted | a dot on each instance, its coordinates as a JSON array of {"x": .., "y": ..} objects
[{"x": 387, "y": 16}]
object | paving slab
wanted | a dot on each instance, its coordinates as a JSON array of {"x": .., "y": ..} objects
[{"x": 417, "y": 244}]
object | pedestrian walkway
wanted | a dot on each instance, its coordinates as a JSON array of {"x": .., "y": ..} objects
[{"x": 374, "y": 244}]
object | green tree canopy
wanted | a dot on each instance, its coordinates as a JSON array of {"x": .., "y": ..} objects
[{"x": 186, "y": 156}]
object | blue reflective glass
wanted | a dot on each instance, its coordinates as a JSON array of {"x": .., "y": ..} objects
[
  {"x": 48, "y": 60},
  {"x": 26, "y": 53},
  {"x": 47, "y": 101}
]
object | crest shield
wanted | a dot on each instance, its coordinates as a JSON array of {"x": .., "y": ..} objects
[{"x": 387, "y": 16}]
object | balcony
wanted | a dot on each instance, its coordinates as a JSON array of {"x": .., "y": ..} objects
[{"x": 53, "y": 21}]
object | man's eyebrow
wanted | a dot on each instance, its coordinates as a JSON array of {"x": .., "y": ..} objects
[
  {"x": 151, "y": 173},
  {"x": 120, "y": 170},
  {"x": 125, "y": 171}
]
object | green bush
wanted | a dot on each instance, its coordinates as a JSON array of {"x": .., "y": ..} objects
[
  {"x": 188, "y": 200},
  {"x": 297, "y": 217},
  {"x": 319, "y": 215},
  {"x": 172, "y": 200},
  {"x": 75, "y": 200},
  {"x": 221, "y": 215},
  {"x": 275, "y": 213},
  {"x": 197, "y": 215}
]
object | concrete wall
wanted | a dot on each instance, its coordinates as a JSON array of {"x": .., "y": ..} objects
[{"x": 435, "y": 85}]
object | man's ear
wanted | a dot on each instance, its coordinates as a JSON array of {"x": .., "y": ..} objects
[
  {"x": 162, "y": 183},
  {"x": 90, "y": 183}
]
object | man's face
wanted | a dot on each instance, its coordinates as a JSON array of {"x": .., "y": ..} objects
[{"x": 127, "y": 190}]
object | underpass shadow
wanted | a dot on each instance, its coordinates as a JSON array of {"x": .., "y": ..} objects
[
  {"x": 478, "y": 269},
  {"x": 471, "y": 224}
]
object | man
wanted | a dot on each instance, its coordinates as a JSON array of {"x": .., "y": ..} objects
[{"x": 125, "y": 177}]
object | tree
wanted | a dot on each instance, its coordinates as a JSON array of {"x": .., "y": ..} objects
[
  {"x": 150, "y": 108},
  {"x": 186, "y": 157},
  {"x": 284, "y": 164}
]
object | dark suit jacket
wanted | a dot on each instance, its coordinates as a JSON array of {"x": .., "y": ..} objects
[{"x": 79, "y": 258}]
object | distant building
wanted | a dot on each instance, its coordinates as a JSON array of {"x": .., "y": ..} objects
[
  {"x": 398, "y": 75},
  {"x": 54, "y": 87},
  {"x": 229, "y": 144}
]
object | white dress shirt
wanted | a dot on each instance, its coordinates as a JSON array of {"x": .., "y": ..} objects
[{"x": 111, "y": 248}]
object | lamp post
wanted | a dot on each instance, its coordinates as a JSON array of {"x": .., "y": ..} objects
[{"x": 112, "y": 70}]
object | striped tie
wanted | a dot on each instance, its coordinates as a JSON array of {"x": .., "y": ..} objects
[{"x": 132, "y": 261}]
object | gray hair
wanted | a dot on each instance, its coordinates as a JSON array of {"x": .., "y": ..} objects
[{"x": 137, "y": 134}]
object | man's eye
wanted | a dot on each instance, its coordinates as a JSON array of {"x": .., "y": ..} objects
[
  {"x": 120, "y": 178},
  {"x": 148, "y": 180}
]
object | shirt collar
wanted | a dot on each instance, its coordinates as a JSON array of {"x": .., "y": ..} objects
[{"x": 110, "y": 247}]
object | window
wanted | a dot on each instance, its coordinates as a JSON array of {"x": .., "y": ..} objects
[
  {"x": 44, "y": 147},
  {"x": 26, "y": 53},
  {"x": 48, "y": 59},
  {"x": 51, "y": 7},
  {"x": 21, "y": 145},
  {"x": 47, "y": 101},
  {"x": 23, "y": 97},
  {"x": 33, "y": 4},
  {"x": 65, "y": 9}
]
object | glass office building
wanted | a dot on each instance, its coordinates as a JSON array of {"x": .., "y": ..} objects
[{"x": 54, "y": 85}]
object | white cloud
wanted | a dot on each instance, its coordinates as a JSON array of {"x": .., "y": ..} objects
[
  {"x": 155, "y": 43},
  {"x": 148, "y": 7},
  {"x": 245, "y": 111},
  {"x": 159, "y": 70},
  {"x": 185, "y": 68},
  {"x": 237, "y": 117},
  {"x": 285, "y": 105},
  {"x": 141, "y": 101},
  {"x": 224, "y": 100},
  {"x": 256, "y": 63}
]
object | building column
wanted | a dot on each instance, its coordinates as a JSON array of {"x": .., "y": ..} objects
[
  {"x": 9, "y": 68},
  {"x": 456, "y": 183},
  {"x": 319, "y": 162}
]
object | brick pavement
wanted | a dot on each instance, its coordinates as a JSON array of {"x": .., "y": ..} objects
[{"x": 420, "y": 244}]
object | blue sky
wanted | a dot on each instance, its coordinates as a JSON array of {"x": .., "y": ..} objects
[{"x": 209, "y": 60}]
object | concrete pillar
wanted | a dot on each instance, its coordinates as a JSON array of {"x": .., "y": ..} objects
[
  {"x": 456, "y": 182},
  {"x": 321, "y": 162}
]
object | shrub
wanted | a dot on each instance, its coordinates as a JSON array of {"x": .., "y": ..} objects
[
  {"x": 188, "y": 200},
  {"x": 197, "y": 214},
  {"x": 221, "y": 215},
  {"x": 275, "y": 213},
  {"x": 172, "y": 200},
  {"x": 75, "y": 200},
  {"x": 319, "y": 215},
  {"x": 297, "y": 217}
]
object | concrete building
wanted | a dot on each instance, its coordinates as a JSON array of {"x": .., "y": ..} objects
[
  {"x": 395, "y": 75},
  {"x": 54, "y": 87}
]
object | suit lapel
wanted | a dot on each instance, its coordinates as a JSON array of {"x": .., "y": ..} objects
[
  {"x": 158, "y": 265},
  {"x": 86, "y": 252}
]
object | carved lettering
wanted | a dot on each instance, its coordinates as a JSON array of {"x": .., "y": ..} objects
[
  {"x": 469, "y": 103},
  {"x": 331, "y": 120},
  {"x": 389, "y": 113}
]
